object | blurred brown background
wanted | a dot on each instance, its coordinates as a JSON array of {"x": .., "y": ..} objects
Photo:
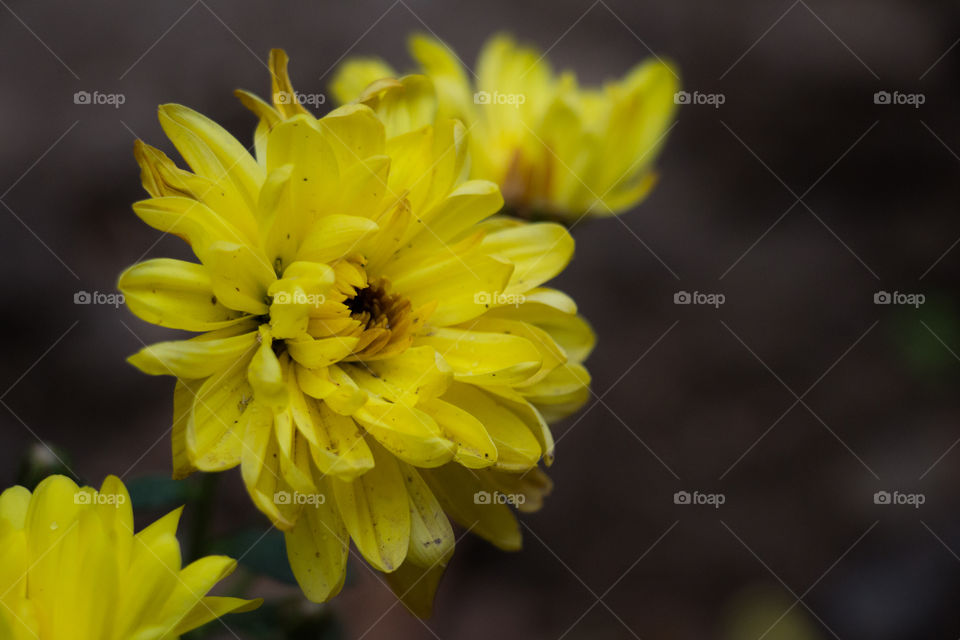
[{"x": 689, "y": 398}]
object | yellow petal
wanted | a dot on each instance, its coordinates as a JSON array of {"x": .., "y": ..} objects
[
  {"x": 408, "y": 433},
  {"x": 529, "y": 489},
  {"x": 454, "y": 94},
  {"x": 213, "y": 607},
  {"x": 335, "y": 236},
  {"x": 517, "y": 447},
  {"x": 354, "y": 133},
  {"x": 265, "y": 373},
  {"x": 462, "y": 495},
  {"x": 214, "y": 434},
  {"x": 315, "y": 354},
  {"x": 196, "y": 358},
  {"x": 336, "y": 444},
  {"x": 184, "y": 395},
  {"x": 468, "y": 204},
  {"x": 362, "y": 189},
  {"x": 317, "y": 548},
  {"x": 210, "y": 150},
  {"x": 431, "y": 536},
  {"x": 556, "y": 315},
  {"x": 538, "y": 252},
  {"x": 175, "y": 294},
  {"x": 415, "y": 586},
  {"x": 294, "y": 452},
  {"x": 562, "y": 392},
  {"x": 456, "y": 282},
  {"x": 353, "y": 76},
  {"x": 417, "y": 374},
  {"x": 13, "y": 506},
  {"x": 551, "y": 354},
  {"x": 240, "y": 276},
  {"x": 376, "y": 512},
  {"x": 333, "y": 385},
  {"x": 312, "y": 182},
  {"x": 483, "y": 357},
  {"x": 475, "y": 449},
  {"x": 403, "y": 105},
  {"x": 283, "y": 95}
]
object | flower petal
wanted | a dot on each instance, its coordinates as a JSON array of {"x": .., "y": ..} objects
[
  {"x": 475, "y": 449},
  {"x": 483, "y": 357},
  {"x": 196, "y": 358},
  {"x": 214, "y": 434},
  {"x": 538, "y": 252},
  {"x": 317, "y": 548},
  {"x": 415, "y": 375},
  {"x": 431, "y": 536},
  {"x": 210, "y": 150},
  {"x": 517, "y": 448},
  {"x": 460, "y": 492},
  {"x": 175, "y": 294},
  {"x": 376, "y": 512},
  {"x": 408, "y": 433}
]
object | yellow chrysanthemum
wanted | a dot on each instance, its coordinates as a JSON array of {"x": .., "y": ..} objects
[
  {"x": 378, "y": 351},
  {"x": 557, "y": 150},
  {"x": 71, "y": 568}
]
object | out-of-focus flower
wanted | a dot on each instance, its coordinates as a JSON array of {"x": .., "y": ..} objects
[
  {"x": 557, "y": 150},
  {"x": 71, "y": 568},
  {"x": 378, "y": 352}
]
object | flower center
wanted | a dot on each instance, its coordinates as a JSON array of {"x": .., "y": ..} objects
[{"x": 385, "y": 321}]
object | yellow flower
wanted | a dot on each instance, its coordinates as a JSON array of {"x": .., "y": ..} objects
[
  {"x": 557, "y": 150},
  {"x": 377, "y": 349},
  {"x": 71, "y": 568}
]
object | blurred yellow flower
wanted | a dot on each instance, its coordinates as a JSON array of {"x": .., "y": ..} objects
[
  {"x": 557, "y": 150},
  {"x": 378, "y": 351},
  {"x": 71, "y": 568}
]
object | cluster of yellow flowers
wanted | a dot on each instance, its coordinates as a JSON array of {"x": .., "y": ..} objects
[{"x": 378, "y": 350}]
